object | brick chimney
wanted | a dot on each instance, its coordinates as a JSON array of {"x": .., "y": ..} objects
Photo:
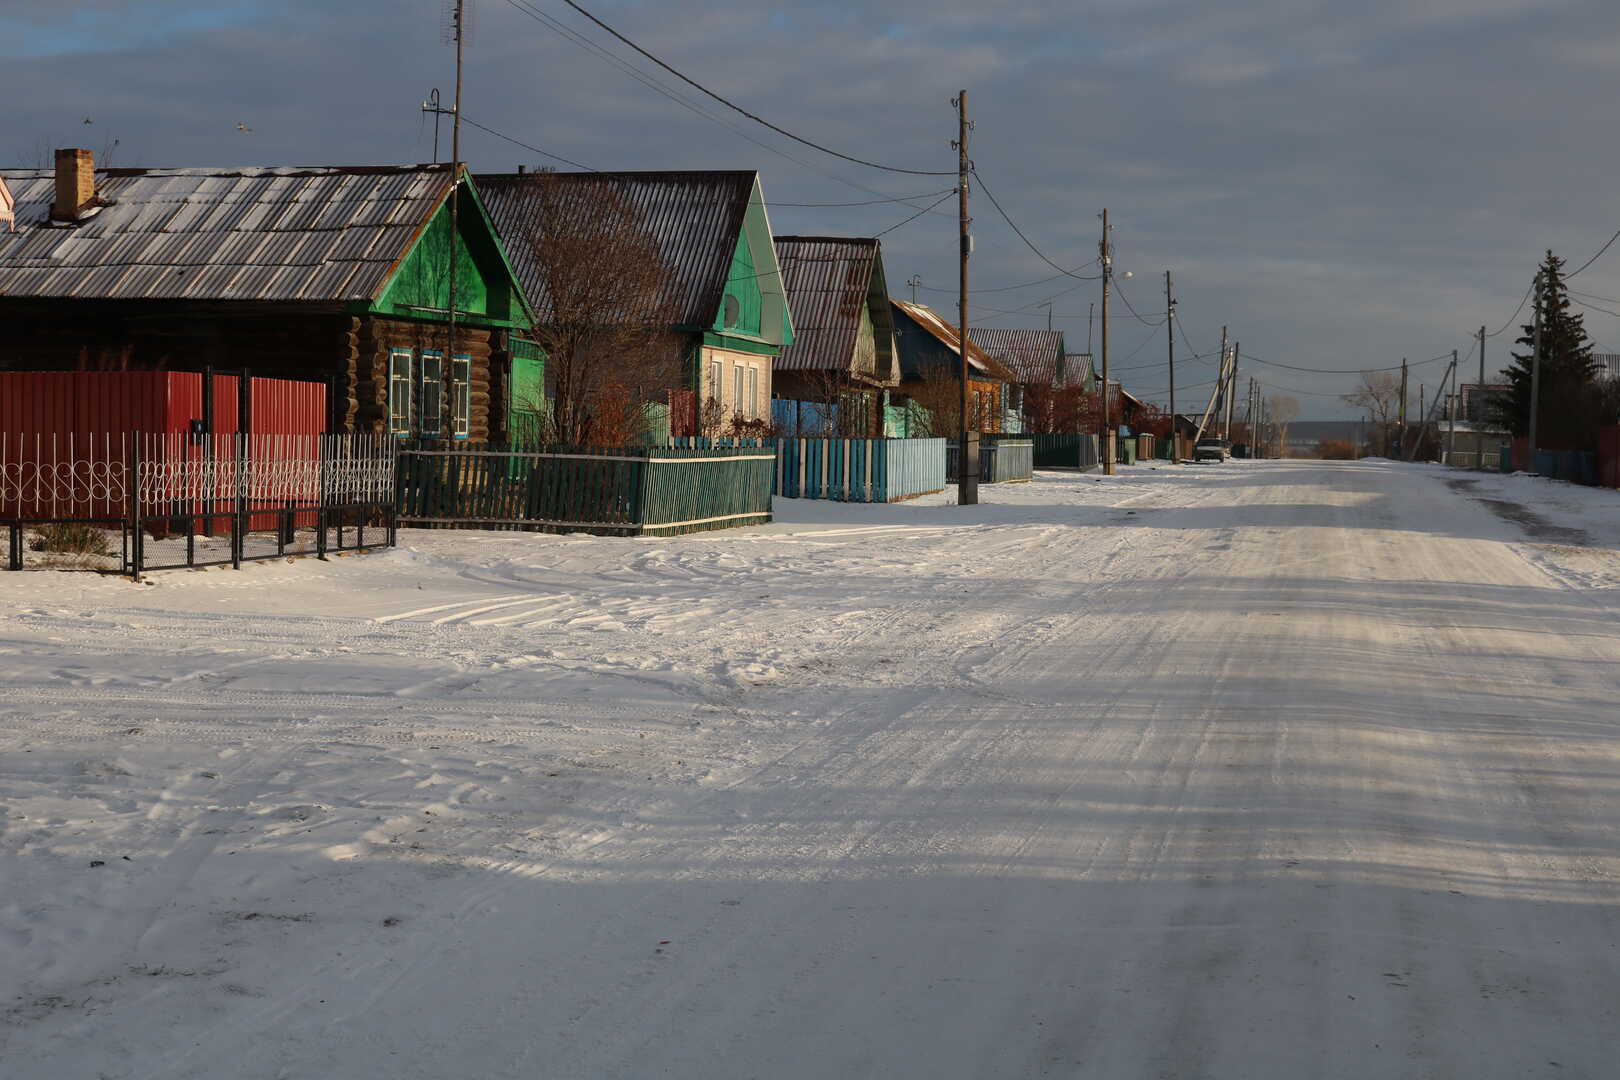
[{"x": 75, "y": 184}]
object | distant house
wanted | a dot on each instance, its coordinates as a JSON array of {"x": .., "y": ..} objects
[
  {"x": 729, "y": 304},
  {"x": 1042, "y": 371},
  {"x": 930, "y": 371},
  {"x": 843, "y": 351},
  {"x": 335, "y": 275}
]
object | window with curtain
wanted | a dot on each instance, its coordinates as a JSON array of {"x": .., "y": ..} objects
[
  {"x": 753, "y": 392},
  {"x": 737, "y": 386}
]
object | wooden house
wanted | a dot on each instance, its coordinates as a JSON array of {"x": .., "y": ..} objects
[
  {"x": 930, "y": 371},
  {"x": 1043, "y": 373},
  {"x": 726, "y": 304},
  {"x": 336, "y": 275},
  {"x": 843, "y": 351}
]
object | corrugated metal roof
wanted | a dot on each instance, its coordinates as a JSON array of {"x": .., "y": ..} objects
[
  {"x": 694, "y": 218},
  {"x": 929, "y": 319},
  {"x": 828, "y": 282},
  {"x": 1031, "y": 355},
  {"x": 319, "y": 234}
]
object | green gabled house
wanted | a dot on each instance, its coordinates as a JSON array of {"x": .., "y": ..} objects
[
  {"x": 337, "y": 275},
  {"x": 727, "y": 302}
]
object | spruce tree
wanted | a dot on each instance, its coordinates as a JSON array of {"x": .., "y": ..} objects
[{"x": 1567, "y": 369}]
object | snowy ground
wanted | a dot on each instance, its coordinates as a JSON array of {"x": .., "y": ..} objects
[{"x": 1257, "y": 770}]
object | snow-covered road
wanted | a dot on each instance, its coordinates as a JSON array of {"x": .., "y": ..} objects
[{"x": 1261, "y": 770}]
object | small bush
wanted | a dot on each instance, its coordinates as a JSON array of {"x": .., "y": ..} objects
[
  {"x": 1336, "y": 450},
  {"x": 71, "y": 538}
]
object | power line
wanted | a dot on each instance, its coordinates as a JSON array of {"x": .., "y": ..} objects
[
  {"x": 647, "y": 80},
  {"x": 744, "y": 112},
  {"x": 1341, "y": 371},
  {"x": 869, "y": 202},
  {"x": 1133, "y": 311},
  {"x": 918, "y": 214},
  {"x": 1596, "y": 257},
  {"x": 1004, "y": 288},
  {"x": 526, "y": 146},
  {"x": 1027, "y": 242}
]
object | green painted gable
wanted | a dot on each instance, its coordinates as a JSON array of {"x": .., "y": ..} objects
[
  {"x": 743, "y": 301},
  {"x": 486, "y": 290},
  {"x": 759, "y": 320}
]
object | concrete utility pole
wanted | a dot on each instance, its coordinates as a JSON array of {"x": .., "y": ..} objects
[
  {"x": 1107, "y": 258},
  {"x": 1481, "y": 373},
  {"x": 914, "y": 282},
  {"x": 967, "y": 454},
  {"x": 1535, "y": 374},
  {"x": 1220, "y": 382},
  {"x": 1170, "y": 346}
]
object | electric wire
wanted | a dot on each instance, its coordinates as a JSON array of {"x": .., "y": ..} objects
[
  {"x": 744, "y": 112},
  {"x": 868, "y": 202},
  {"x": 647, "y": 80},
  {"x": 913, "y": 217},
  {"x": 1027, "y": 242},
  {"x": 527, "y": 146},
  {"x": 1596, "y": 257}
]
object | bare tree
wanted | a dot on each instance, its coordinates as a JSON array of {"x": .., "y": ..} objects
[
  {"x": 1380, "y": 396},
  {"x": 605, "y": 307},
  {"x": 1281, "y": 410}
]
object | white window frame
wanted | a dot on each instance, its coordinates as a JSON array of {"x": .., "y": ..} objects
[
  {"x": 737, "y": 386},
  {"x": 753, "y": 391},
  {"x": 717, "y": 379},
  {"x": 430, "y": 366},
  {"x": 401, "y": 385},
  {"x": 461, "y": 395}
]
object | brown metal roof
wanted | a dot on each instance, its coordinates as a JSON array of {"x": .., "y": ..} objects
[
  {"x": 829, "y": 282},
  {"x": 929, "y": 319},
  {"x": 314, "y": 234},
  {"x": 1032, "y": 355},
  {"x": 693, "y": 217}
]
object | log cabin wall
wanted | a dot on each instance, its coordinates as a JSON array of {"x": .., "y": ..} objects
[
  {"x": 378, "y": 336},
  {"x": 285, "y": 342}
]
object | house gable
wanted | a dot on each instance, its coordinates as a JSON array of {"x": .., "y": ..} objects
[
  {"x": 487, "y": 293},
  {"x": 753, "y": 313}
]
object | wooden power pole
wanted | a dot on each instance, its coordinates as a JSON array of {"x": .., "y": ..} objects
[
  {"x": 1170, "y": 349},
  {"x": 1107, "y": 259},
  {"x": 967, "y": 454}
]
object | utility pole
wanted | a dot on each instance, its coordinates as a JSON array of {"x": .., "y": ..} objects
[
  {"x": 1482, "y": 373},
  {"x": 1170, "y": 348},
  {"x": 1535, "y": 374},
  {"x": 1456, "y": 403},
  {"x": 434, "y": 106},
  {"x": 1231, "y": 395},
  {"x": 1220, "y": 380},
  {"x": 914, "y": 282},
  {"x": 1401, "y": 427},
  {"x": 448, "y": 367},
  {"x": 1107, "y": 259},
  {"x": 967, "y": 454}
]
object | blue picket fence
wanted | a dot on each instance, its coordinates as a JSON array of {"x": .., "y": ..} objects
[{"x": 859, "y": 470}]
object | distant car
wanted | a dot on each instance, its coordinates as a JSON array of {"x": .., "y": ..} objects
[{"x": 1211, "y": 450}]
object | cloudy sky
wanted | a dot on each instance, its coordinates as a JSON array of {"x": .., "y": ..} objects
[{"x": 1344, "y": 184}]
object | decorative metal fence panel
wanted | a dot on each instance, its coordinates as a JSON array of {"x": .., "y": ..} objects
[
  {"x": 165, "y": 501},
  {"x": 630, "y": 491}
]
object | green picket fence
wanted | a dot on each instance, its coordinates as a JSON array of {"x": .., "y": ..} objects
[{"x": 622, "y": 491}]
